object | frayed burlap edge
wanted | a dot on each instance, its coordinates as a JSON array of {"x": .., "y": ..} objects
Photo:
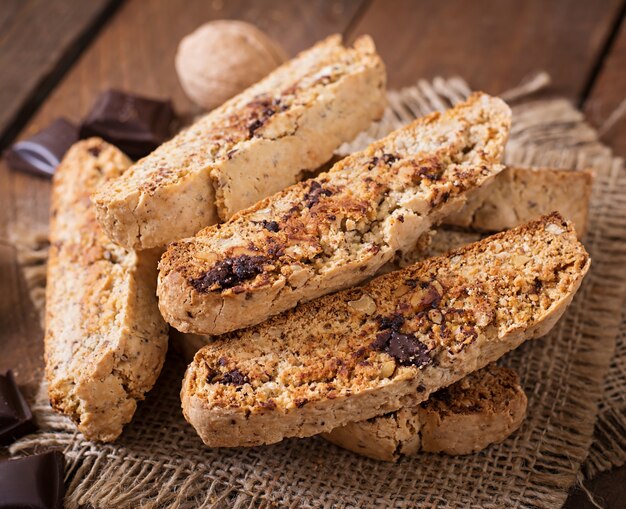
[
  {"x": 609, "y": 446},
  {"x": 117, "y": 476}
]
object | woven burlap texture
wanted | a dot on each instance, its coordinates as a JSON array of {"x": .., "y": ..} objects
[{"x": 160, "y": 462}]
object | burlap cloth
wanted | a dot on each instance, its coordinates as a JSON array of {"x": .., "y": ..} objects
[{"x": 160, "y": 462}]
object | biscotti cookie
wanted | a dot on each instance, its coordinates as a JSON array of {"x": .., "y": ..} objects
[
  {"x": 105, "y": 339},
  {"x": 372, "y": 350},
  {"x": 481, "y": 409},
  {"x": 335, "y": 230},
  {"x": 257, "y": 143},
  {"x": 518, "y": 195}
]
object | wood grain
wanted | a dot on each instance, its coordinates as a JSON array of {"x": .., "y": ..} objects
[
  {"x": 21, "y": 334},
  {"x": 37, "y": 39},
  {"x": 136, "y": 50},
  {"x": 493, "y": 44},
  {"x": 609, "y": 94},
  {"x": 608, "y": 490}
]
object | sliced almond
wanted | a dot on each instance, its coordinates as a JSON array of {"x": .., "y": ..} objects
[
  {"x": 555, "y": 229},
  {"x": 365, "y": 305},
  {"x": 435, "y": 316},
  {"x": 387, "y": 369},
  {"x": 299, "y": 275},
  {"x": 207, "y": 256}
]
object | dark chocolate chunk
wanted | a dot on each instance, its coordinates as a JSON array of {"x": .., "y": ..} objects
[
  {"x": 429, "y": 172},
  {"x": 34, "y": 482},
  {"x": 537, "y": 285},
  {"x": 229, "y": 272},
  {"x": 389, "y": 158},
  {"x": 262, "y": 108},
  {"x": 16, "y": 419},
  {"x": 234, "y": 377},
  {"x": 136, "y": 125},
  {"x": 406, "y": 349},
  {"x": 315, "y": 192},
  {"x": 393, "y": 322},
  {"x": 381, "y": 341},
  {"x": 42, "y": 152},
  {"x": 270, "y": 225},
  {"x": 256, "y": 124}
]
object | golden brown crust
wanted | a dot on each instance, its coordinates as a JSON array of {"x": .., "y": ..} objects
[
  {"x": 335, "y": 230},
  {"x": 518, "y": 195},
  {"x": 372, "y": 350},
  {"x": 105, "y": 340},
  {"x": 483, "y": 408},
  {"x": 252, "y": 146}
]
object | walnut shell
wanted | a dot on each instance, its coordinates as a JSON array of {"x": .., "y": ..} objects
[{"x": 222, "y": 58}]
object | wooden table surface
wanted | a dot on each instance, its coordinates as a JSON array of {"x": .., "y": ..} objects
[{"x": 57, "y": 55}]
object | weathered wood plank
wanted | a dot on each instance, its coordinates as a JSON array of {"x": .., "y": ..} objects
[
  {"x": 20, "y": 347},
  {"x": 608, "y": 94},
  {"x": 38, "y": 38},
  {"x": 608, "y": 490},
  {"x": 493, "y": 44},
  {"x": 136, "y": 50}
]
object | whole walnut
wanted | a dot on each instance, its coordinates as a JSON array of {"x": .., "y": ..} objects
[{"x": 222, "y": 58}]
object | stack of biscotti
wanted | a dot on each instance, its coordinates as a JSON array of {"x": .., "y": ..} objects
[
  {"x": 335, "y": 230},
  {"x": 365, "y": 352},
  {"x": 488, "y": 405},
  {"x": 252, "y": 146},
  {"x": 349, "y": 364},
  {"x": 105, "y": 340},
  {"x": 332, "y": 232}
]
